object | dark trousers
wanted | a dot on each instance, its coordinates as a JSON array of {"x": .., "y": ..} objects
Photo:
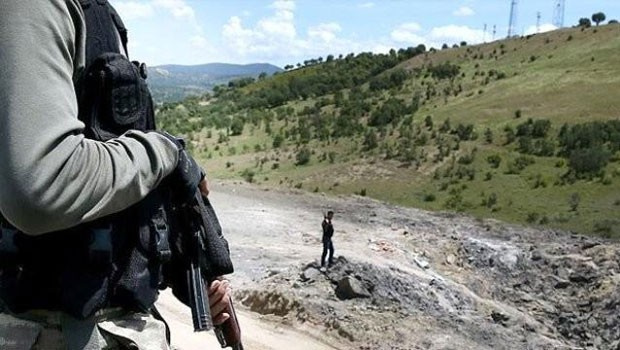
[{"x": 327, "y": 245}]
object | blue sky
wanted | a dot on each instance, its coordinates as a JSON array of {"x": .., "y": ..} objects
[{"x": 290, "y": 31}]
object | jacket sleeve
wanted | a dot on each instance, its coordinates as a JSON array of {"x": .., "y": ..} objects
[{"x": 51, "y": 176}]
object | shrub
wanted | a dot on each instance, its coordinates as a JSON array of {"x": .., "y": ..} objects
[
  {"x": 488, "y": 136},
  {"x": 248, "y": 175},
  {"x": 573, "y": 201},
  {"x": 370, "y": 140},
  {"x": 222, "y": 137},
  {"x": 491, "y": 200},
  {"x": 429, "y": 197},
  {"x": 303, "y": 156},
  {"x": 332, "y": 157},
  {"x": 518, "y": 114},
  {"x": 277, "y": 141},
  {"x": 236, "y": 127},
  {"x": 532, "y": 217}
]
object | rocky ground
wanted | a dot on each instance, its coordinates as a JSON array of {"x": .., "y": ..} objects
[{"x": 409, "y": 279}]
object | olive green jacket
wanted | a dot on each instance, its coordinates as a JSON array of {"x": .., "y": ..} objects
[{"x": 51, "y": 176}]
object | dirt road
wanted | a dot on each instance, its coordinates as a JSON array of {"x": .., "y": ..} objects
[{"x": 415, "y": 280}]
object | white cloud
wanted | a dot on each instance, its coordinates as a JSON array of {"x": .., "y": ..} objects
[
  {"x": 326, "y": 32},
  {"x": 139, "y": 9},
  {"x": 408, "y": 33},
  {"x": 464, "y": 11},
  {"x": 178, "y": 8},
  {"x": 547, "y": 27},
  {"x": 367, "y": 5},
  {"x": 272, "y": 36},
  {"x": 236, "y": 36},
  {"x": 283, "y": 5},
  {"x": 452, "y": 34},
  {"x": 130, "y": 10}
]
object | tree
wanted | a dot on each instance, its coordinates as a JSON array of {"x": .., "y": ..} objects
[
  {"x": 598, "y": 17},
  {"x": 585, "y": 22},
  {"x": 236, "y": 127}
]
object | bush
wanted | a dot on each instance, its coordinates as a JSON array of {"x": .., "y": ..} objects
[
  {"x": 236, "y": 128},
  {"x": 573, "y": 201},
  {"x": 370, "y": 140},
  {"x": 429, "y": 197},
  {"x": 532, "y": 217},
  {"x": 303, "y": 156},
  {"x": 518, "y": 113},
  {"x": 332, "y": 157},
  {"x": 248, "y": 175},
  {"x": 277, "y": 141},
  {"x": 519, "y": 164},
  {"x": 491, "y": 200},
  {"x": 494, "y": 160}
]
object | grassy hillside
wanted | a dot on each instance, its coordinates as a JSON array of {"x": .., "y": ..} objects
[{"x": 525, "y": 130}]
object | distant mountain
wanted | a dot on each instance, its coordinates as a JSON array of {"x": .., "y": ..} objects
[{"x": 175, "y": 82}]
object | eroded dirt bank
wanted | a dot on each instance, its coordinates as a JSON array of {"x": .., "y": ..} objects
[{"x": 409, "y": 279}]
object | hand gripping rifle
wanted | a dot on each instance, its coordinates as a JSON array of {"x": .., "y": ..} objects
[{"x": 199, "y": 255}]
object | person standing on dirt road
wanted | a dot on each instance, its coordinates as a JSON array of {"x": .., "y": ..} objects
[{"x": 328, "y": 233}]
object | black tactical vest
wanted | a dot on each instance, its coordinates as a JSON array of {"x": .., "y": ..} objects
[{"x": 117, "y": 260}]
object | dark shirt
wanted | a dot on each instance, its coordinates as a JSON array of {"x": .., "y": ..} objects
[{"x": 328, "y": 229}]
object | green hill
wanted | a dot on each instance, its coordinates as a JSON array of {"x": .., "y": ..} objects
[{"x": 525, "y": 130}]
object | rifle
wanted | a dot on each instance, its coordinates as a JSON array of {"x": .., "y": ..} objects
[{"x": 199, "y": 255}]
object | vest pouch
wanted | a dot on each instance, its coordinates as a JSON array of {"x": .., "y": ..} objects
[
  {"x": 142, "y": 277},
  {"x": 116, "y": 98}
]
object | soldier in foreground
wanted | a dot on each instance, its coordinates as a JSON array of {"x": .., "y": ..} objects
[{"x": 84, "y": 232}]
